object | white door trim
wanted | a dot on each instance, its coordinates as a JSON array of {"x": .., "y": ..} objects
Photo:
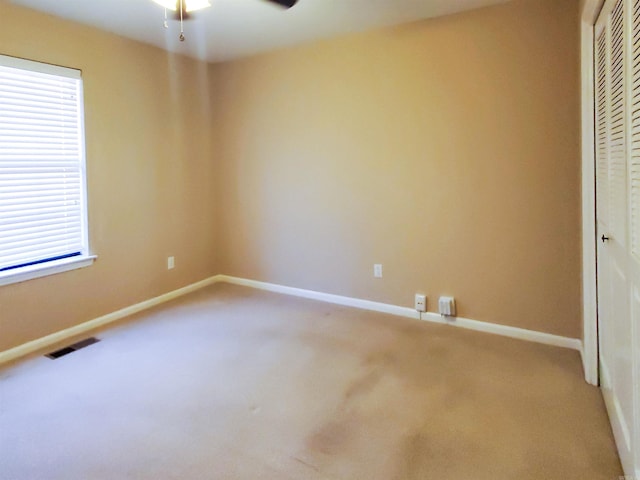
[{"x": 589, "y": 14}]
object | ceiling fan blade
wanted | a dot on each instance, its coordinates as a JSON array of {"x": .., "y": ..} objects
[{"x": 284, "y": 3}]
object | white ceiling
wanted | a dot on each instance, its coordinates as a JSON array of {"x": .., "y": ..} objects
[{"x": 236, "y": 28}]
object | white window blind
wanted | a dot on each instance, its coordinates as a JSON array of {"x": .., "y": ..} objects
[{"x": 42, "y": 181}]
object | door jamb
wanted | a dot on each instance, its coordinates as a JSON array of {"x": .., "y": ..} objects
[{"x": 589, "y": 11}]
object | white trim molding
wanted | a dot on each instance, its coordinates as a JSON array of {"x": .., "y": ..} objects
[
  {"x": 496, "y": 329},
  {"x": 40, "y": 344},
  {"x": 323, "y": 297},
  {"x": 589, "y": 14},
  {"x": 30, "y": 272},
  {"x": 62, "y": 335}
]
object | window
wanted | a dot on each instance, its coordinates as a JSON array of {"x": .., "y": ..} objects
[{"x": 43, "y": 209}]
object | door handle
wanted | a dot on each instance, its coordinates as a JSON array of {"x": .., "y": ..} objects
[{"x": 604, "y": 238}]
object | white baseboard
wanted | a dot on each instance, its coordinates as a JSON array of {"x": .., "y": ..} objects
[
  {"x": 62, "y": 335},
  {"x": 507, "y": 331},
  {"x": 323, "y": 297},
  {"x": 504, "y": 330}
]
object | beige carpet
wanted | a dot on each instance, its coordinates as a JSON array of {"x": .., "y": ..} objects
[{"x": 234, "y": 383}]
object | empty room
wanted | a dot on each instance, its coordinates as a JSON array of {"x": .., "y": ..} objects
[{"x": 320, "y": 239}]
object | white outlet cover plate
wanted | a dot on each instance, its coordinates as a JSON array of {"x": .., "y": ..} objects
[
  {"x": 377, "y": 270},
  {"x": 421, "y": 302}
]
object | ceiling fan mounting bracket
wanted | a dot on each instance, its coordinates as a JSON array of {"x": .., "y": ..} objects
[{"x": 182, "y": 9}]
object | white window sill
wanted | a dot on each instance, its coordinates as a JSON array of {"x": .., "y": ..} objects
[{"x": 44, "y": 269}]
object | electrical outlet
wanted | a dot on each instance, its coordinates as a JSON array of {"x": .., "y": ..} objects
[
  {"x": 171, "y": 263},
  {"x": 377, "y": 270},
  {"x": 421, "y": 302},
  {"x": 447, "y": 306}
]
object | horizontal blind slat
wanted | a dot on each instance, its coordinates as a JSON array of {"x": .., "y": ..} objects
[
  {"x": 55, "y": 243},
  {"x": 37, "y": 226},
  {"x": 40, "y": 238},
  {"x": 36, "y": 219}
]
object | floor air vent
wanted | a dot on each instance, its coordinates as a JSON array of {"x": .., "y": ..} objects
[{"x": 72, "y": 348}]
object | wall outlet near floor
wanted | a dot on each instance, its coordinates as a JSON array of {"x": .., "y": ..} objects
[
  {"x": 171, "y": 263},
  {"x": 447, "y": 306},
  {"x": 421, "y": 302},
  {"x": 377, "y": 270}
]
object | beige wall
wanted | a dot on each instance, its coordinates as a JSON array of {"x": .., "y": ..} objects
[
  {"x": 447, "y": 150},
  {"x": 150, "y": 175}
]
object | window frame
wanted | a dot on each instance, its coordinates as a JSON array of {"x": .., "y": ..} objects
[{"x": 85, "y": 258}]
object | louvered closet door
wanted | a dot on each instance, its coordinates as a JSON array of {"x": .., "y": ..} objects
[
  {"x": 617, "y": 44},
  {"x": 633, "y": 208}
]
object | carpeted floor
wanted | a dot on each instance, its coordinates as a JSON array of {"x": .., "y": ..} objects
[{"x": 234, "y": 383}]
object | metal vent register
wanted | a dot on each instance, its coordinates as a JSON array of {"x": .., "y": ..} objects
[{"x": 72, "y": 348}]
